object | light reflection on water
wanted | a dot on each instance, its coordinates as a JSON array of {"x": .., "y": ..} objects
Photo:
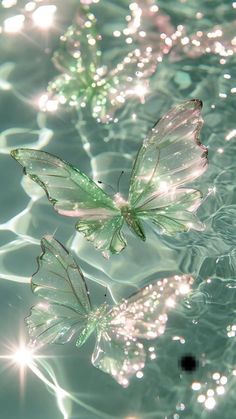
[{"x": 205, "y": 323}]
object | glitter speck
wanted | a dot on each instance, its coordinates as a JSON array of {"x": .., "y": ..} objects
[
  {"x": 196, "y": 386},
  {"x": 139, "y": 374},
  {"x": 210, "y": 403}
]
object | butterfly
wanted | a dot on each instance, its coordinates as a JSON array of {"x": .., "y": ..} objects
[
  {"x": 169, "y": 157},
  {"x": 85, "y": 80},
  {"x": 65, "y": 313}
]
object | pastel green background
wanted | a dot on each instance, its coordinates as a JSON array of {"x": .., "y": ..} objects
[{"x": 202, "y": 323}]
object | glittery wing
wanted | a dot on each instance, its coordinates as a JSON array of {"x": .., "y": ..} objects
[
  {"x": 78, "y": 58},
  {"x": 105, "y": 234},
  {"x": 143, "y": 316},
  {"x": 118, "y": 357},
  {"x": 170, "y": 157},
  {"x": 74, "y": 194},
  {"x": 131, "y": 77},
  {"x": 65, "y": 305},
  {"x": 78, "y": 51}
]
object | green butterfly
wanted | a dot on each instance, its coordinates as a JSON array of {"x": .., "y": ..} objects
[
  {"x": 85, "y": 80},
  {"x": 169, "y": 157},
  {"x": 65, "y": 312}
]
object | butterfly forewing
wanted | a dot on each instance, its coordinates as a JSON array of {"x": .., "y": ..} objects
[
  {"x": 171, "y": 155},
  {"x": 65, "y": 304},
  {"x": 68, "y": 189}
]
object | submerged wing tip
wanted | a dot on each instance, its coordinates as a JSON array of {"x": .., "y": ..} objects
[
  {"x": 14, "y": 153},
  {"x": 197, "y": 102},
  {"x": 47, "y": 238},
  {"x": 49, "y": 242}
]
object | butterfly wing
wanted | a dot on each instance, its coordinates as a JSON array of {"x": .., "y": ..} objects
[
  {"x": 132, "y": 76},
  {"x": 74, "y": 194},
  {"x": 118, "y": 357},
  {"x": 78, "y": 51},
  {"x": 170, "y": 157},
  {"x": 104, "y": 234},
  {"x": 143, "y": 316},
  {"x": 65, "y": 306},
  {"x": 78, "y": 58}
]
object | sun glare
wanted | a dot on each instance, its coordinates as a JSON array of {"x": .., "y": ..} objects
[{"x": 23, "y": 356}]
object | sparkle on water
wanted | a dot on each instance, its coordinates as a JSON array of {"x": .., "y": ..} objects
[{"x": 184, "y": 50}]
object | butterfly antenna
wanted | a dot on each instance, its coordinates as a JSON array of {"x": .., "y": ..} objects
[
  {"x": 106, "y": 184},
  {"x": 211, "y": 191},
  {"x": 53, "y": 234},
  {"x": 155, "y": 123},
  {"x": 118, "y": 182}
]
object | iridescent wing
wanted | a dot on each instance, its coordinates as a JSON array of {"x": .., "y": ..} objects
[
  {"x": 143, "y": 316},
  {"x": 118, "y": 357},
  {"x": 78, "y": 52},
  {"x": 65, "y": 306},
  {"x": 131, "y": 77},
  {"x": 169, "y": 158},
  {"x": 78, "y": 58},
  {"x": 105, "y": 234},
  {"x": 74, "y": 194}
]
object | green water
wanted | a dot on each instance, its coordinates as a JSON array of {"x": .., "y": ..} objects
[{"x": 203, "y": 325}]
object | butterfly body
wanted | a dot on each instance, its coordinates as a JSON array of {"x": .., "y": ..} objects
[{"x": 97, "y": 321}]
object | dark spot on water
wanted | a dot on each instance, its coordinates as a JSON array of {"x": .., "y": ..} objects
[{"x": 188, "y": 363}]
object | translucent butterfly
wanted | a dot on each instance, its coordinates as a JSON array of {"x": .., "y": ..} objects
[
  {"x": 86, "y": 80},
  {"x": 65, "y": 312},
  {"x": 169, "y": 157}
]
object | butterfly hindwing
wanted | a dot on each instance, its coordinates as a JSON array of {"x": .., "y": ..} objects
[
  {"x": 105, "y": 234},
  {"x": 173, "y": 212},
  {"x": 170, "y": 157},
  {"x": 65, "y": 303},
  {"x": 118, "y": 357}
]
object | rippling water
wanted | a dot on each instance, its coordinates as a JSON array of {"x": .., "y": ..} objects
[{"x": 202, "y": 326}]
